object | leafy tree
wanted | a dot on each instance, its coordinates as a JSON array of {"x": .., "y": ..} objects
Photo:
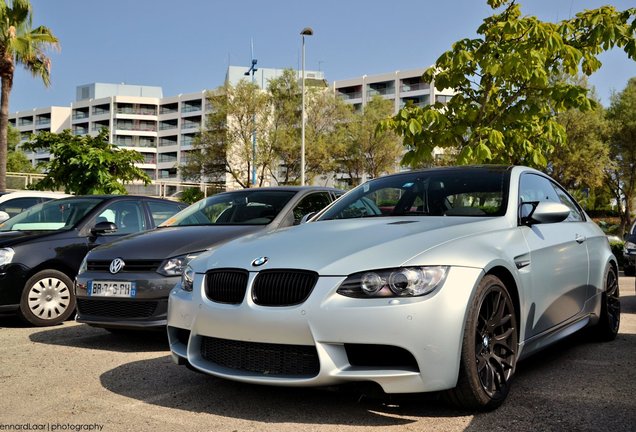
[
  {"x": 506, "y": 101},
  {"x": 225, "y": 146},
  {"x": 19, "y": 44},
  {"x": 16, "y": 159},
  {"x": 622, "y": 175},
  {"x": 366, "y": 149},
  {"x": 326, "y": 128},
  {"x": 283, "y": 131},
  {"x": 86, "y": 164},
  {"x": 580, "y": 161}
]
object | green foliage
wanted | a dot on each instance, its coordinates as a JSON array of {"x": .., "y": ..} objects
[
  {"x": 507, "y": 98},
  {"x": 86, "y": 164},
  {"x": 621, "y": 175},
  {"x": 191, "y": 195},
  {"x": 581, "y": 159},
  {"x": 364, "y": 149},
  {"x": 20, "y": 44},
  {"x": 16, "y": 159}
]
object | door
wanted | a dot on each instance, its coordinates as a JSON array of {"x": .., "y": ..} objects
[{"x": 558, "y": 259}]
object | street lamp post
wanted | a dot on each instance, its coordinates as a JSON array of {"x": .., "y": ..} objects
[
  {"x": 253, "y": 69},
  {"x": 307, "y": 31}
]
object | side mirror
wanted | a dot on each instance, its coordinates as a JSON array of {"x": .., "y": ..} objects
[
  {"x": 540, "y": 212},
  {"x": 306, "y": 218},
  {"x": 101, "y": 228},
  {"x": 4, "y": 216}
]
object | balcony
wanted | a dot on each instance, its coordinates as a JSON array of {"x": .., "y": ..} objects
[
  {"x": 166, "y": 125},
  {"x": 101, "y": 110},
  {"x": 189, "y": 124},
  {"x": 167, "y": 157},
  {"x": 350, "y": 95},
  {"x": 80, "y": 130},
  {"x": 135, "y": 109},
  {"x": 187, "y": 107},
  {"x": 169, "y": 109},
  {"x": 414, "y": 86},
  {"x": 166, "y": 142},
  {"x": 80, "y": 114},
  {"x": 136, "y": 125},
  {"x": 25, "y": 121}
]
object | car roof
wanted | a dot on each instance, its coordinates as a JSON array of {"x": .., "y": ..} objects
[{"x": 32, "y": 194}]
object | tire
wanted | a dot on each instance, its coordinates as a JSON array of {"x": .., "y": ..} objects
[
  {"x": 489, "y": 349},
  {"x": 610, "y": 317},
  {"x": 47, "y": 298}
]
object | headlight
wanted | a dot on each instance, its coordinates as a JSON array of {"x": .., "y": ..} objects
[
  {"x": 174, "y": 266},
  {"x": 399, "y": 282},
  {"x": 187, "y": 279},
  {"x": 6, "y": 256},
  {"x": 629, "y": 245},
  {"x": 83, "y": 266}
]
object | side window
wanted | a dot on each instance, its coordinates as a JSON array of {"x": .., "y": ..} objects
[
  {"x": 128, "y": 216},
  {"x": 162, "y": 210},
  {"x": 537, "y": 188},
  {"x": 310, "y": 204},
  {"x": 575, "y": 212},
  {"x": 18, "y": 205}
]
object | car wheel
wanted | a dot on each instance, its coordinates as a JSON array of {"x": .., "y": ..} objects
[
  {"x": 47, "y": 298},
  {"x": 610, "y": 318},
  {"x": 489, "y": 349}
]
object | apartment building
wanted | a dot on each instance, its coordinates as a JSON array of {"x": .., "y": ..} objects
[
  {"x": 400, "y": 87},
  {"x": 49, "y": 119}
]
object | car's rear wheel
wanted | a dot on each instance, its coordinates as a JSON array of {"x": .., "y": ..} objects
[
  {"x": 489, "y": 349},
  {"x": 47, "y": 298},
  {"x": 610, "y": 317}
]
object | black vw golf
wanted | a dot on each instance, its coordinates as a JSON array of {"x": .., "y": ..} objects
[
  {"x": 42, "y": 248},
  {"x": 125, "y": 284}
]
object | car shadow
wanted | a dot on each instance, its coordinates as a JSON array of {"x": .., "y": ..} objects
[
  {"x": 160, "y": 382},
  {"x": 575, "y": 378},
  {"x": 83, "y": 336}
]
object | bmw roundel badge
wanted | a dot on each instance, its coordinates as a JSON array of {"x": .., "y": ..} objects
[{"x": 259, "y": 261}]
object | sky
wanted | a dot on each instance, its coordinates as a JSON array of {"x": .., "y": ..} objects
[{"x": 185, "y": 46}]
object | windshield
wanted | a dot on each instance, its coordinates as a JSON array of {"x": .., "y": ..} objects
[
  {"x": 245, "y": 207},
  {"x": 436, "y": 192},
  {"x": 51, "y": 215}
]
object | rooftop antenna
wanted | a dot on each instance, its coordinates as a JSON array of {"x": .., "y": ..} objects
[{"x": 252, "y": 70}]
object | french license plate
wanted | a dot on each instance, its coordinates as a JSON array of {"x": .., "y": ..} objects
[{"x": 112, "y": 289}]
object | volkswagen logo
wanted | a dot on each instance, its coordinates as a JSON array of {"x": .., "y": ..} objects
[
  {"x": 117, "y": 265},
  {"x": 259, "y": 261}
]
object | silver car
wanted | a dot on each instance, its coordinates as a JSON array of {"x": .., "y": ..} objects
[{"x": 433, "y": 280}]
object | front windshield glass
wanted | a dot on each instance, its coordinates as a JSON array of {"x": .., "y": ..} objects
[
  {"x": 245, "y": 207},
  {"x": 437, "y": 192},
  {"x": 51, "y": 215}
]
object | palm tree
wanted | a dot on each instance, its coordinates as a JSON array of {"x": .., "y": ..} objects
[{"x": 19, "y": 44}]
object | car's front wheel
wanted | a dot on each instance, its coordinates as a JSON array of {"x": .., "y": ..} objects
[
  {"x": 47, "y": 298},
  {"x": 489, "y": 349}
]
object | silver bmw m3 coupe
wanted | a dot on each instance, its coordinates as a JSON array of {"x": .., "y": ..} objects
[{"x": 432, "y": 280}]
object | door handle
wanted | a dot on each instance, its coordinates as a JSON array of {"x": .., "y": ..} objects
[{"x": 580, "y": 239}]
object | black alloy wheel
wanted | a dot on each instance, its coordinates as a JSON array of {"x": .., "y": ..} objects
[
  {"x": 610, "y": 317},
  {"x": 489, "y": 349}
]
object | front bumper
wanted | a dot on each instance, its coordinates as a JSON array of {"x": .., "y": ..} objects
[
  {"x": 147, "y": 310},
  {"x": 13, "y": 277},
  {"x": 343, "y": 334}
]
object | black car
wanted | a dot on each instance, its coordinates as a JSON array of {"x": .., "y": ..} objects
[
  {"x": 125, "y": 284},
  {"x": 42, "y": 248}
]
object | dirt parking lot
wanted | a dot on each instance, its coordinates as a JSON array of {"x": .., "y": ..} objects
[{"x": 74, "y": 377}]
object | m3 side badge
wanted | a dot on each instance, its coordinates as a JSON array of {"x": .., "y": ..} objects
[
  {"x": 259, "y": 261},
  {"x": 116, "y": 265}
]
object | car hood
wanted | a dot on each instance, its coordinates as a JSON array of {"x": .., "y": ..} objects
[
  {"x": 162, "y": 243},
  {"x": 342, "y": 247},
  {"x": 12, "y": 238}
]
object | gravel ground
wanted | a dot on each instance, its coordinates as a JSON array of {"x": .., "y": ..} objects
[{"x": 74, "y": 377}]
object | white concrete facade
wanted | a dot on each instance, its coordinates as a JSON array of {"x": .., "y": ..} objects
[{"x": 399, "y": 87}]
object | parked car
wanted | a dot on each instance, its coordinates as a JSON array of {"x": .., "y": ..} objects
[
  {"x": 433, "y": 280},
  {"x": 125, "y": 284},
  {"x": 41, "y": 249},
  {"x": 14, "y": 203}
]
